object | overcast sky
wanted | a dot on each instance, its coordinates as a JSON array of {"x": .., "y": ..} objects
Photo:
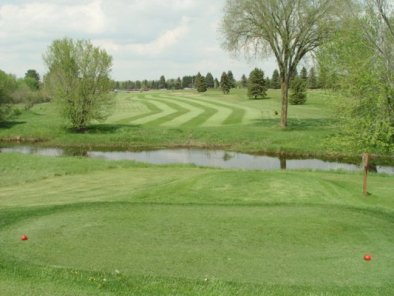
[{"x": 146, "y": 38}]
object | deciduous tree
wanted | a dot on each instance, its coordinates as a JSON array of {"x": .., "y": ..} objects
[
  {"x": 360, "y": 57},
  {"x": 7, "y": 87},
  {"x": 78, "y": 78},
  {"x": 33, "y": 79},
  {"x": 289, "y": 29}
]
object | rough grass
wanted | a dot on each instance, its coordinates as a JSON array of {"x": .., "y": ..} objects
[{"x": 118, "y": 228}]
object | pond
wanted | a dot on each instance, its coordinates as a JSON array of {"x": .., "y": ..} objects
[{"x": 201, "y": 157}]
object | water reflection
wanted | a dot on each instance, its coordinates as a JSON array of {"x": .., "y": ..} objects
[{"x": 201, "y": 157}]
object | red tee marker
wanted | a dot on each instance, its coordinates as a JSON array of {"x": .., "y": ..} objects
[
  {"x": 24, "y": 237},
  {"x": 367, "y": 257}
]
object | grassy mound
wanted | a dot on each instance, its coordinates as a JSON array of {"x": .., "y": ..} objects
[{"x": 271, "y": 244}]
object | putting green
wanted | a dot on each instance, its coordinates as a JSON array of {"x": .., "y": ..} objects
[{"x": 271, "y": 244}]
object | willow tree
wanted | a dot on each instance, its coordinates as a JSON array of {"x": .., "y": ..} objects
[
  {"x": 289, "y": 29},
  {"x": 78, "y": 79}
]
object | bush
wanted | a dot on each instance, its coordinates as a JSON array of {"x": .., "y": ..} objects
[{"x": 298, "y": 91}]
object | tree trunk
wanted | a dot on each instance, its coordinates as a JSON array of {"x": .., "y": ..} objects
[{"x": 284, "y": 85}]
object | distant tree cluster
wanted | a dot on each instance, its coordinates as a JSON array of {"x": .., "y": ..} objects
[
  {"x": 199, "y": 82},
  {"x": 25, "y": 91},
  {"x": 309, "y": 76}
]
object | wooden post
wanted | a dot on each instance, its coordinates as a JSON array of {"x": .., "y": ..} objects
[
  {"x": 282, "y": 159},
  {"x": 365, "y": 166}
]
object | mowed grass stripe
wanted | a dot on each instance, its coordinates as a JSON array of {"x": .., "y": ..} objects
[
  {"x": 235, "y": 117},
  {"x": 180, "y": 110},
  {"x": 217, "y": 118},
  {"x": 153, "y": 109},
  {"x": 127, "y": 105},
  {"x": 165, "y": 111},
  {"x": 194, "y": 111},
  {"x": 192, "y": 121},
  {"x": 241, "y": 114},
  {"x": 176, "y": 110}
]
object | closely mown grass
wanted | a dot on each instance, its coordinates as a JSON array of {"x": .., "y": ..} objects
[
  {"x": 189, "y": 119},
  {"x": 99, "y": 227}
]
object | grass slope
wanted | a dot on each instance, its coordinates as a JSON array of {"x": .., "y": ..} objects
[{"x": 119, "y": 228}]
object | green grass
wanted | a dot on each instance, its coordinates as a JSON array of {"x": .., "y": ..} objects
[
  {"x": 98, "y": 227},
  {"x": 187, "y": 118}
]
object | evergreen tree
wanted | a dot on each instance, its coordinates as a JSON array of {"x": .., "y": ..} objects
[
  {"x": 217, "y": 83},
  {"x": 231, "y": 79},
  {"x": 200, "y": 83},
  {"x": 298, "y": 91},
  {"x": 187, "y": 81},
  {"x": 225, "y": 83},
  {"x": 275, "y": 80},
  {"x": 312, "y": 79},
  {"x": 256, "y": 84},
  {"x": 196, "y": 80},
  {"x": 304, "y": 74},
  {"x": 267, "y": 83},
  {"x": 162, "y": 82},
  {"x": 138, "y": 84},
  {"x": 170, "y": 83},
  {"x": 244, "y": 81},
  {"x": 178, "y": 83},
  {"x": 145, "y": 84},
  {"x": 209, "y": 80}
]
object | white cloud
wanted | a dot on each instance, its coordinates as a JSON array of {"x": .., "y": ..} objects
[
  {"x": 39, "y": 19},
  {"x": 163, "y": 42},
  {"x": 146, "y": 38}
]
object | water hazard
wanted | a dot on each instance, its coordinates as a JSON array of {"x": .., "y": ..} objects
[{"x": 201, "y": 157}]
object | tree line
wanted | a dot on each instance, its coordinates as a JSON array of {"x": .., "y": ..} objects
[
  {"x": 27, "y": 91},
  {"x": 187, "y": 81},
  {"x": 201, "y": 82}
]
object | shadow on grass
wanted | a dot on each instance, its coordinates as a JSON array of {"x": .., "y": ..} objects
[
  {"x": 10, "y": 124},
  {"x": 297, "y": 124},
  {"x": 102, "y": 129}
]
